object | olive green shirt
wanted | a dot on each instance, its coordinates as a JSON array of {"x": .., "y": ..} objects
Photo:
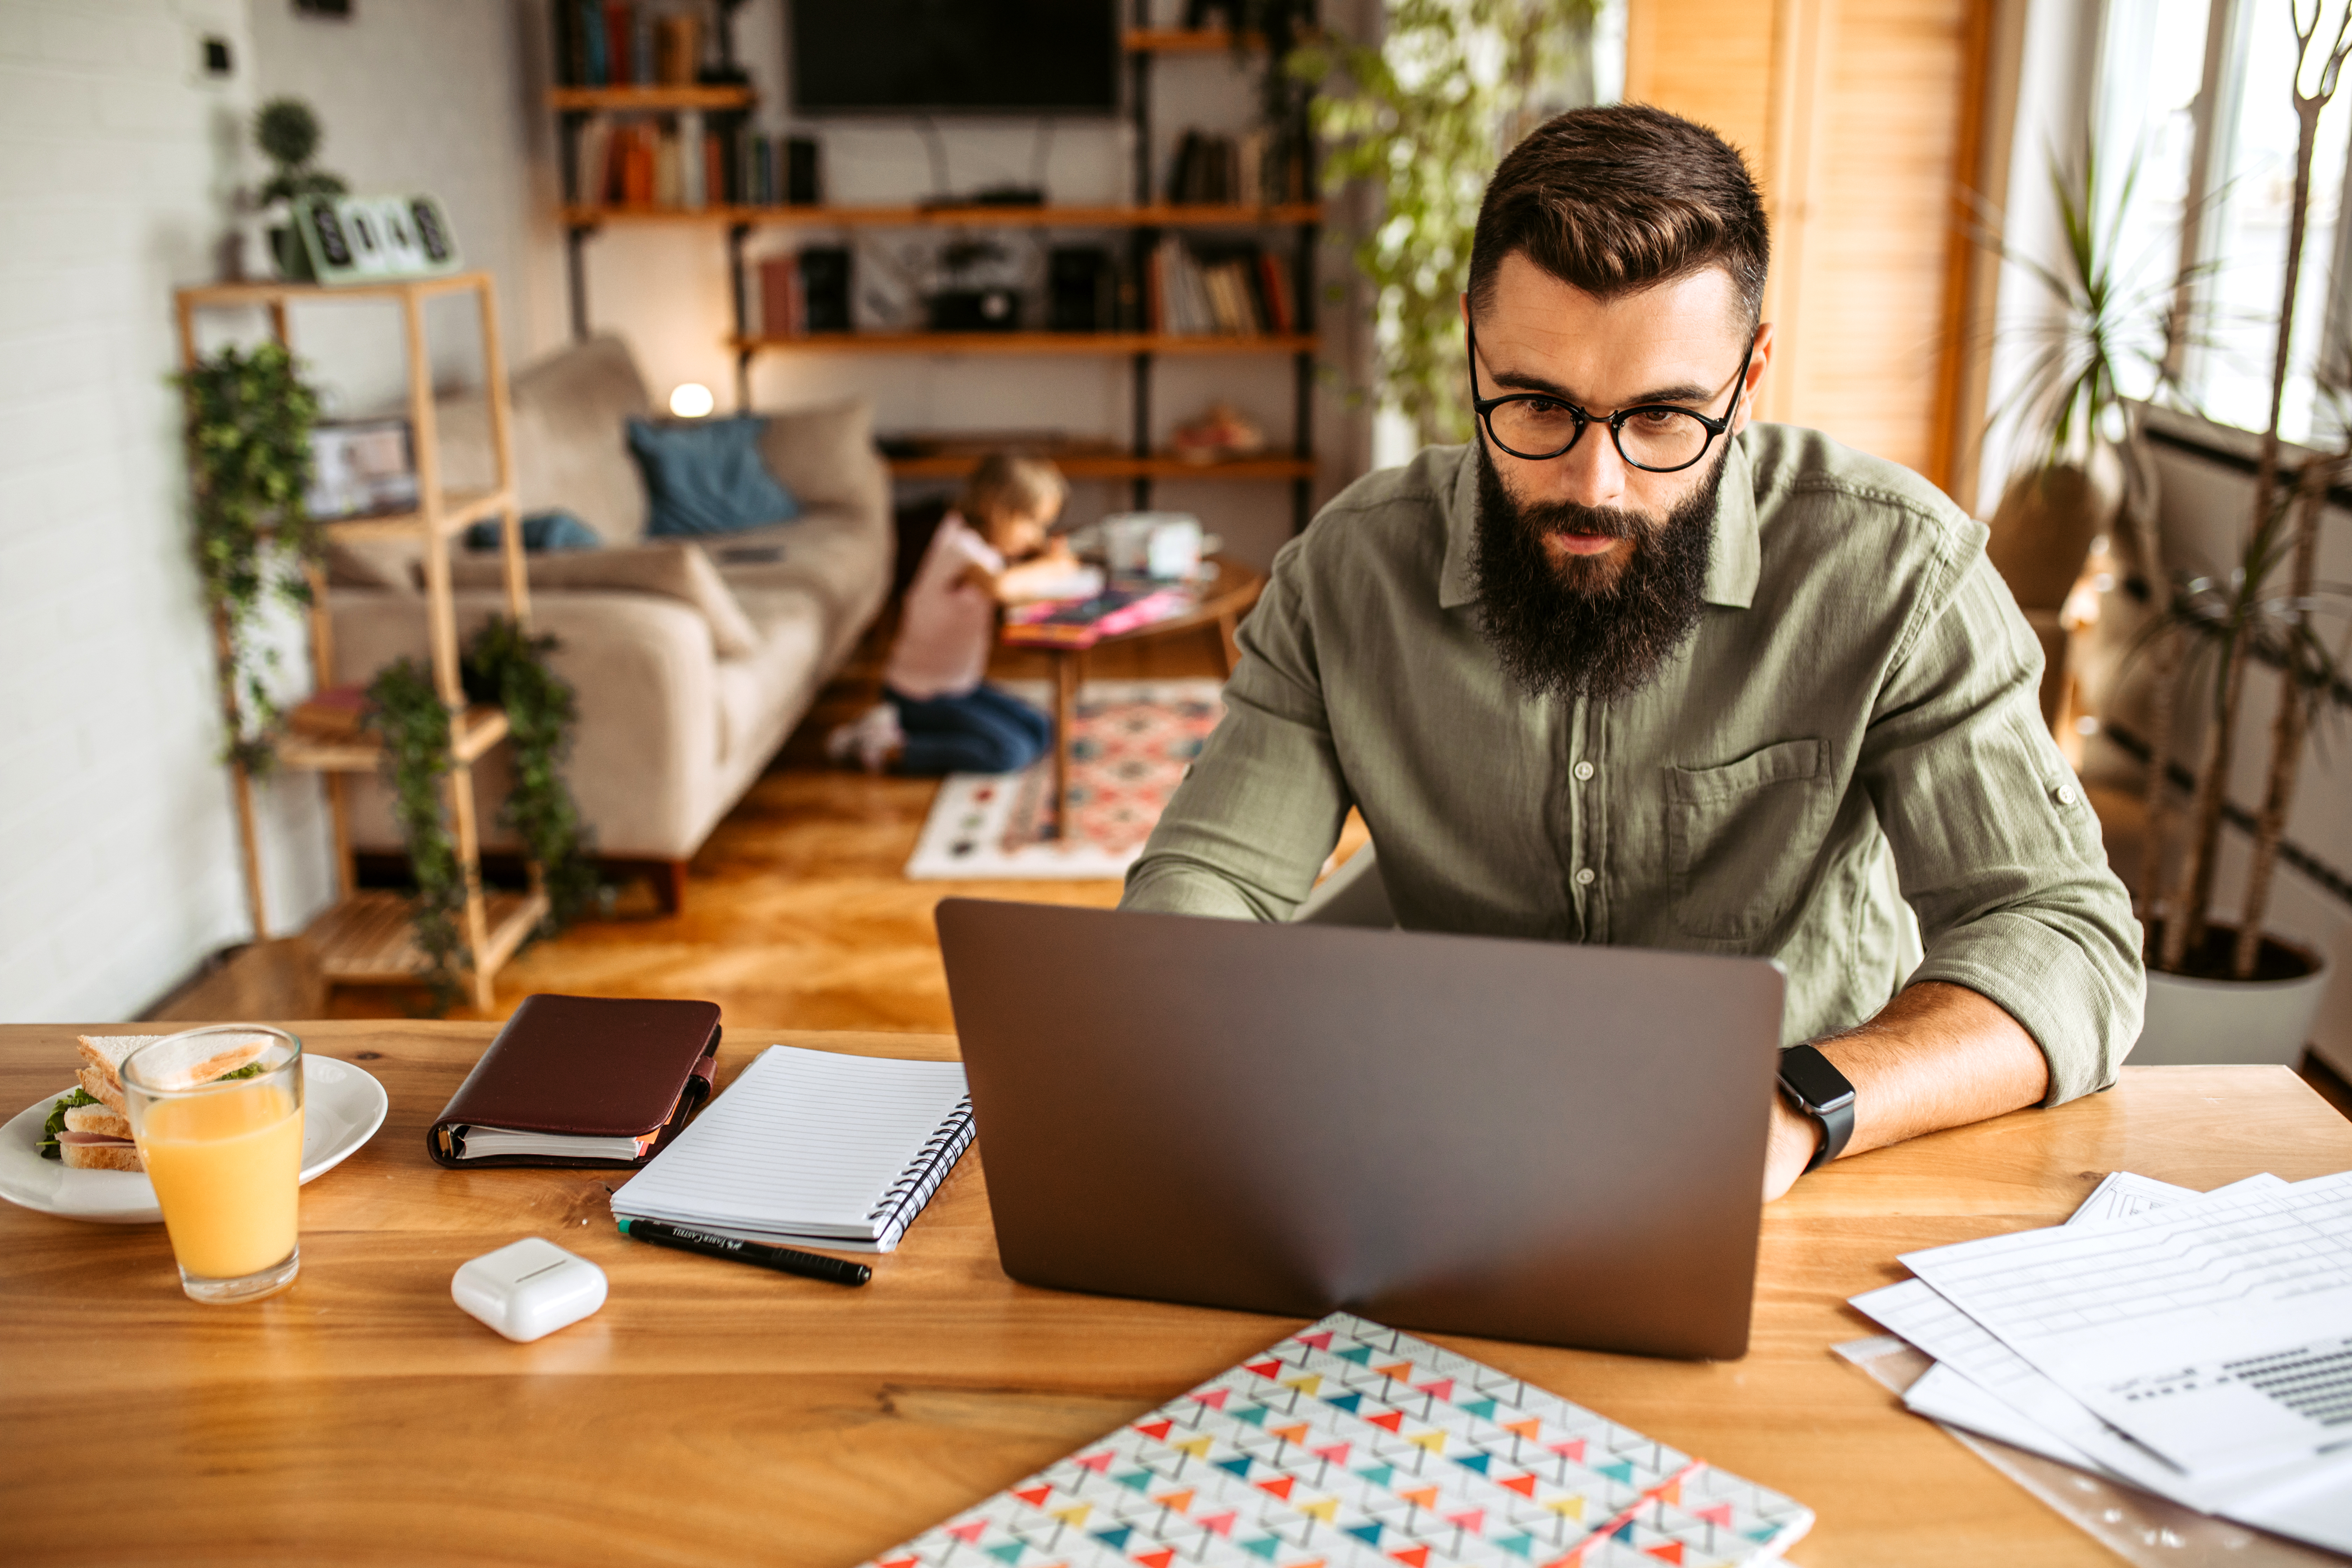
[{"x": 1852, "y": 727}]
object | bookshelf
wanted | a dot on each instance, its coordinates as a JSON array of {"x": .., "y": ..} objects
[
  {"x": 363, "y": 939},
  {"x": 1143, "y": 221}
]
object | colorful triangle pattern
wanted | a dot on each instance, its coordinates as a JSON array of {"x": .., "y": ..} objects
[{"x": 1350, "y": 1444}]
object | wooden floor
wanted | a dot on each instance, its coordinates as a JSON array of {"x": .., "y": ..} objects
[{"x": 796, "y": 913}]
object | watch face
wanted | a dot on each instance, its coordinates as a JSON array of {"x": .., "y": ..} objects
[{"x": 1812, "y": 1080}]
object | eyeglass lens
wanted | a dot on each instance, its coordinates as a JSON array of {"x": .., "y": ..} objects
[{"x": 1652, "y": 438}]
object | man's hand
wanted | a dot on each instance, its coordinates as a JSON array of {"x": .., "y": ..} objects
[
  {"x": 1789, "y": 1148},
  {"x": 1937, "y": 1055}
]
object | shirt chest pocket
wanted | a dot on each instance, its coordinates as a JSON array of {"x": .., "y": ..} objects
[{"x": 1740, "y": 837}]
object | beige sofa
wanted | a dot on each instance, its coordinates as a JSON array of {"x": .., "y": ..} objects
[{"x": 689, "y": 680}]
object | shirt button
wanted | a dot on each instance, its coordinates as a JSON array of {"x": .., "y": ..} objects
[
  {"x": 2065, "y": 795},
  {"x": 1583, "y": 771},
  {"x": 1584, "y": 877}
]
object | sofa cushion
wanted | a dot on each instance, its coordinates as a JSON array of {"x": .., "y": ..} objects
[
  {"x": 762, "y": 694},
  {"x": 826, "y": 456},
  {"x": 572, "y": 411},
  {"x": 704, "y": 477},
  {"x": 678, "y": 570},
  {"x": 374, "y": 564}
]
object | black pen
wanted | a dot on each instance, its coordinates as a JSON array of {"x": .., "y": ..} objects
[{"x": 783, "y": 1259}]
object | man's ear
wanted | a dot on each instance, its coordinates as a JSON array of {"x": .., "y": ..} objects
[
  {"x": 1464, "y": 302},
  {"x": 1758, "y": 358}
]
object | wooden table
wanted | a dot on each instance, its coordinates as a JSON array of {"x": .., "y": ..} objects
[
  {"x": 718, "y": 1414},
  {"x": 1223, "y": 600}
]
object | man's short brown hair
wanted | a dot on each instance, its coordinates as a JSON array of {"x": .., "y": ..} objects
[{"x": 1618, "y": 198}]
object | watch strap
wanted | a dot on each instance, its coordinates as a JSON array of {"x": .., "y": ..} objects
[{"x": 1822, "y": 1093}]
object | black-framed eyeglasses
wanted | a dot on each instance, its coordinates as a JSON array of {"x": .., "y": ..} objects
[{"x": 1656, "y": 437}]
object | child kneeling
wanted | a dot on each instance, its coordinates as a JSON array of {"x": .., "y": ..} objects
[{"x": 939, "y": 714}]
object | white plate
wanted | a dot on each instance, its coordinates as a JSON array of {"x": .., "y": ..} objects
[{"x": 341, "y": 1108}]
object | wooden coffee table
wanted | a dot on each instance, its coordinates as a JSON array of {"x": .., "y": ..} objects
[{"x": 1223, "y": 600}]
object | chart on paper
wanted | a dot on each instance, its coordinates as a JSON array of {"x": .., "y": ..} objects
[{"x": 2212, "y": 1332}]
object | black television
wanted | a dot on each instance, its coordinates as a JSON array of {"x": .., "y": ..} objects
[{"x": 954, "y": 57}]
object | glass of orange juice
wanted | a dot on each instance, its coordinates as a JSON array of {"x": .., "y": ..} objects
[{"x": 217, "y": 1115}]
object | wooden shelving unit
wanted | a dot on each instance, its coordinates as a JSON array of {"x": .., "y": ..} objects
[
  {"x": 1141, "y": 219},
  {"x": 1163, "y": 216},
  {"x": 364, "y": 939},
  {"x": 1119, "y": 466},
  {"x": 1114, "y": 343},
  {"x": 642, "y": 100}
]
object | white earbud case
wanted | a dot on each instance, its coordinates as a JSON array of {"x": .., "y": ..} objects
[{"x": 528, "y": 1289}]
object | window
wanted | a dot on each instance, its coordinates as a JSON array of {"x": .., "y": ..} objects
[{"x": 2201, "y": 88}]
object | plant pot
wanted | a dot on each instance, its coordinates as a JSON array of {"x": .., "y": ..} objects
[
  {"x": 288, "y": 252},
  {"x": 2195, "y": 1020}
]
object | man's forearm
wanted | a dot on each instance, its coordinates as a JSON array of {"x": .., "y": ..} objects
[{"x": 1937, "y": 1055}]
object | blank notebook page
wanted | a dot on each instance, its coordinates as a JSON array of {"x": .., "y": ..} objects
[{"x": 802, "y": 1140}]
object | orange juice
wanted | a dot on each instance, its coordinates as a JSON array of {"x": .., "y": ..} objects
[{"x": 226, "y": 1168}]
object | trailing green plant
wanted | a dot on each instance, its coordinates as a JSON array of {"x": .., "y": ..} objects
[
  {"x": 404, "y": 709},
  {"x": 1421, "y": 120},
  {"x": 248, "y": 437},
  {"x": 288, "y": 133},
  {"x": 506, "y": 665}
]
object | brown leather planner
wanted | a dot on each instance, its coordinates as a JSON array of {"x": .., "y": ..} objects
[{"x": 584, "y": 1082}]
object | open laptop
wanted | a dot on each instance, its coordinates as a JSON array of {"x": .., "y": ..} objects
[{"x": 1516, "y": 1140}]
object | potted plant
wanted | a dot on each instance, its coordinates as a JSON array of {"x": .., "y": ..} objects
[
  {"x": 1421, "y": 120},
  {"x": 2099, "y": 351},
  {"x": 288, "y": 133},
  {"x": 2218, "y": 991}
]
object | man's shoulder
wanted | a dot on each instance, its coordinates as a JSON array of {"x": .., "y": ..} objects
[
  {"x": 1806, "y": 481},
  {"x": 1386, "y": 514}
]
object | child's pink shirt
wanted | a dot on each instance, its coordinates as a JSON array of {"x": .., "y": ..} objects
[{"x": 948, "y": 624}]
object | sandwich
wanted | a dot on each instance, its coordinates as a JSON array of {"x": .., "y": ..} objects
[{"x": 90, "y": 1130}]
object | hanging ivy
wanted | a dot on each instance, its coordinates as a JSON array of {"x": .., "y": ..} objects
[
  {"x": 248, "y": 437},
  {"x": 407, "y": 712},
  {"x": 1423, "y": 118},
  {"x": 505, "y": 665}
]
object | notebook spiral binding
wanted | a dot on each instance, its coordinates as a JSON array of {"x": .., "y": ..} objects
[{"x": 924, "y": 1172}]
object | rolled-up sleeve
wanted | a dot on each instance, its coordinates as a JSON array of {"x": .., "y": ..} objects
[
  {"x": 1258, "y": 812},
  {"x": 1997, "y": 845}
]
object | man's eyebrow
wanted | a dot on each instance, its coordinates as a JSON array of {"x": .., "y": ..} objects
[{"x": 1518, "y": 381}]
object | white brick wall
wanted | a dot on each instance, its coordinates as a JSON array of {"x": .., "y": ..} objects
[{"x": 118, "y": 861}]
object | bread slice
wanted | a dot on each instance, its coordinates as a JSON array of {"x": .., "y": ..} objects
[
  {"x": 99, "y": 1119},
  {"x": 99, "y": 1156},
  {"x": 93, "y": 1083},
  {"x": 107, "y": 1053}
]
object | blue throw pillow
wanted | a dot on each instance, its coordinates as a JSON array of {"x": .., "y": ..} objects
[
  {"x": 541, "y": 530},
  {"x": 704, "y": 477}
]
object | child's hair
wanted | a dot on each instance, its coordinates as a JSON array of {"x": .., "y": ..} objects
[{"x": 1003, "y": 483}]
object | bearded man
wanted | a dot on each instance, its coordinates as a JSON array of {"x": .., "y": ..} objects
[{"x": 1629, "y": 668}]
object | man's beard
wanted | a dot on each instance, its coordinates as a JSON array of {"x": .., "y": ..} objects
[{"x": 1564, "y": 626}]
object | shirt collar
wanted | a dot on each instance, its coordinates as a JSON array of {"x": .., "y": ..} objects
[{"x": 1733, "y": 564}]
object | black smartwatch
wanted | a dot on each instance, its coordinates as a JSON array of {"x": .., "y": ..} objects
[{"x": 1822, "y": 1092}]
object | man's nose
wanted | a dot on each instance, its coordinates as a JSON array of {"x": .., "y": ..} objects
[{"x": 1591, "y": 473}]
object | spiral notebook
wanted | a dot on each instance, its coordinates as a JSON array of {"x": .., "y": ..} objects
[{"x": 812, "y": 1148}]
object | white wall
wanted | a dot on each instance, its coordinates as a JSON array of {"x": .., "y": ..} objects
[
  {"x": 119, "y": 859},
  {"x": 425, "y": 95}
]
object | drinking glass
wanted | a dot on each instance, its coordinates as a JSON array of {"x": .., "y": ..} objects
[{"x": 225, "y": 1154}]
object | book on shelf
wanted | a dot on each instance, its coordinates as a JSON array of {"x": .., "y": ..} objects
[
  {"x": 1230, "y": 290},
  {"x": 782, "y": 314}
]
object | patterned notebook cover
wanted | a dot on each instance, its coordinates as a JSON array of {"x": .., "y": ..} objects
[{"x": 1353, "y": 1446}]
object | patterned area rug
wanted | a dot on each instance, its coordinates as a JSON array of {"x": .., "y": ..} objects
[{"x": 1133, "y": 740}]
